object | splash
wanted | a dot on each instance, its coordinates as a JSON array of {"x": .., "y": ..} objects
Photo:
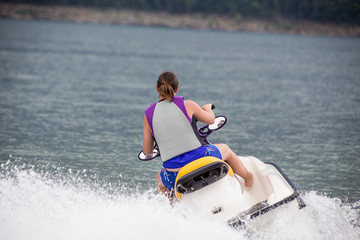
[
  {"x": 322, "y": 218},
  {"x": 40, "y": 203},
  {"x": 59, "y": 204}
]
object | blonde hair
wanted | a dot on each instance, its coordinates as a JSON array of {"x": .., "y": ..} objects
[{"x": 167, "y": 84}]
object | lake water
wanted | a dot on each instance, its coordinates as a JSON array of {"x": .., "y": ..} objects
[{"x": 71, "y": 106}]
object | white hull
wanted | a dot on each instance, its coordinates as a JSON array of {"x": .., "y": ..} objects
[{"x": 228, "y": 200}]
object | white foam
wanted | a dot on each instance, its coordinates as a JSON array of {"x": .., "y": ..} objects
[
  {"x": 40, "y": 206},
  {"x": 322, "y": 218}
]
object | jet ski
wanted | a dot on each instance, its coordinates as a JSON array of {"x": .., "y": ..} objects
[{"x": 210, "y": 187}]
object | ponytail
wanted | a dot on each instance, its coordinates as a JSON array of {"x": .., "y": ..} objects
[{"x": 167, "y": 84}]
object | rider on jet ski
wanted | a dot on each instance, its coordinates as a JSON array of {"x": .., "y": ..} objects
[{"x": 169, "y": 122}]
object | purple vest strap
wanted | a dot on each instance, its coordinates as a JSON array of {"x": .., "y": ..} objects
[
  {"x": 179, "y": 101},
  {"x": 149, "y": 112}
]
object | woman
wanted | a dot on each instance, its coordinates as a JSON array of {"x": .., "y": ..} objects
[{"x": 168, "y": 122}]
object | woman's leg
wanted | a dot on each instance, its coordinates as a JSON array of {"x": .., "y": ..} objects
[
  {"x": 161, "y": 187},
  {"x": 235, "y": 163},
  {"x": 163, "y": 190}
]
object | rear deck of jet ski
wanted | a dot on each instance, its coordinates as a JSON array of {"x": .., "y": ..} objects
[{"x": 202, "y": 177}]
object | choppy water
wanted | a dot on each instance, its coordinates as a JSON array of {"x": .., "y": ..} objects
[{"x": 71, "y": 105}]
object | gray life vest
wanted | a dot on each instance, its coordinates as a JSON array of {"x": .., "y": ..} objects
[{"x": 171, "y": 128}]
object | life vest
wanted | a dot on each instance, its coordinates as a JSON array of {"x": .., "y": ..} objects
[{"x": 171, "y": 127}]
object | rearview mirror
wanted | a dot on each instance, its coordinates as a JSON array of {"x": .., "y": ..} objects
[
  {"x": 204, "y": 131},
  {"x": 147, "y": 157},
  {"x": 219, "y": 122}
]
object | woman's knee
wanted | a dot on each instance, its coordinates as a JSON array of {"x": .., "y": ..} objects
[{"x": 224, "y": 150}]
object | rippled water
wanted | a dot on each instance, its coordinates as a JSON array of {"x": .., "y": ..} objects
[{"x": 71, "y": 106}]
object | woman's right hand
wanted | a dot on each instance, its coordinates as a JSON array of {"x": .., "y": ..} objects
[{"x": 207, "y": 107}]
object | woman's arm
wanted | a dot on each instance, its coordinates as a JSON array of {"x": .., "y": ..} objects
[
  {"x": 148, "y": 141},
  {"x": 203, "y": 114}
]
